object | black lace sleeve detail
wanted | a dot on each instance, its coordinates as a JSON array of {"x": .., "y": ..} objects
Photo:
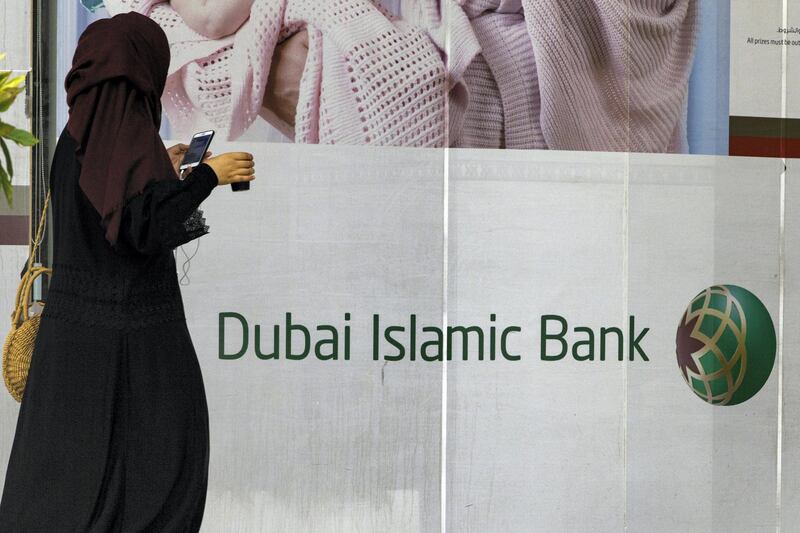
[
  {"x": 193, "y": 227},
  {"x": 165, "y": 215}
]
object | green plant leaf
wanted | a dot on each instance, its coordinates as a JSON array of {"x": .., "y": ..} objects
[
  {"x": 14, "y": 83},
  {"x": 7, "y": 154},
  {"x": 2, "y": 56},
  {"x": 7, "y": 97},
  {"x": 21, "y": 137},
  {"x": 5, "y": 184},
  {"x": 4, "y": 74}
]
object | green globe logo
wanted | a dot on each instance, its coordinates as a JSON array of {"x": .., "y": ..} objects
[{"x": 726, "y": 345}]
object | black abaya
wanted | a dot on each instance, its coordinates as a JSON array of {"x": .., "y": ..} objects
[{"x": 112, "y": 434}]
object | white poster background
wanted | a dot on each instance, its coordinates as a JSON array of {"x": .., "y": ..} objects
[
  {"x": 357, "y": 445},
  {"x": 366, "y": 445}
]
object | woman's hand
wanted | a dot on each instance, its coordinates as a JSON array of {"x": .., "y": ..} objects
[
  {"x": 283, "y": 84},
  {"x": 176, "y": 154},
  {"x": 233, "y": 167}
]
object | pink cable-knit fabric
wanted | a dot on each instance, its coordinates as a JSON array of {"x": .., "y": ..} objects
[
  {"x": 504, "y": 105},
  {"x": 368, "y": 79},
  {"x": 604, "y": 75}
]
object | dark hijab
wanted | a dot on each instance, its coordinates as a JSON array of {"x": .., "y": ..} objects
[{"x": 114, "y": 96}]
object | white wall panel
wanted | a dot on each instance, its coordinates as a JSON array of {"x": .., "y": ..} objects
[{"x": 310, "y": 445}]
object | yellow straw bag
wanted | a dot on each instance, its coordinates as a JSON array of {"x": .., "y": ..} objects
[{"x": 18, "y": 348}]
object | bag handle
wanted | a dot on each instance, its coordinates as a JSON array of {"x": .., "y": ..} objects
[
  {"x": 22, "y": 305},
  {"x": 39, "y": 231},
  {"x": 37, "y": 271},
  {"x": 22, "y": 301}
]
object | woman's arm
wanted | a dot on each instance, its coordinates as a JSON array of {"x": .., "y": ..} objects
[
  {"x": 164, "y": 216},
  {"x": 213, "y": 19}
]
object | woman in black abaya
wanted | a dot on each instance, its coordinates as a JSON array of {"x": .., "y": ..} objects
[{"x": 112, "y": 434}]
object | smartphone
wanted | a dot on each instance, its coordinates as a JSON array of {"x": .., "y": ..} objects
[{"x": 197, "y": 149}]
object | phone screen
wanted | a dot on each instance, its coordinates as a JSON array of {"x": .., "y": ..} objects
[{"x": 197, "y": 149}]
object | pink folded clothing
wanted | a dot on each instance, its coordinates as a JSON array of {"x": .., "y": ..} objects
[
  {"x": 613, "y": 75},
  {"x": 368, "y": 79},
  {"x": 501, "y": 81},
  {"x": 605, "y": 75}
]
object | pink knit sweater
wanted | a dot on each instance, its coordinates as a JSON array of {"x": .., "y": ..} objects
[
  {"x": 609, "y": 75},
  {"x": 367, "y": 79},
  {"x": 576, "y": 75}
]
